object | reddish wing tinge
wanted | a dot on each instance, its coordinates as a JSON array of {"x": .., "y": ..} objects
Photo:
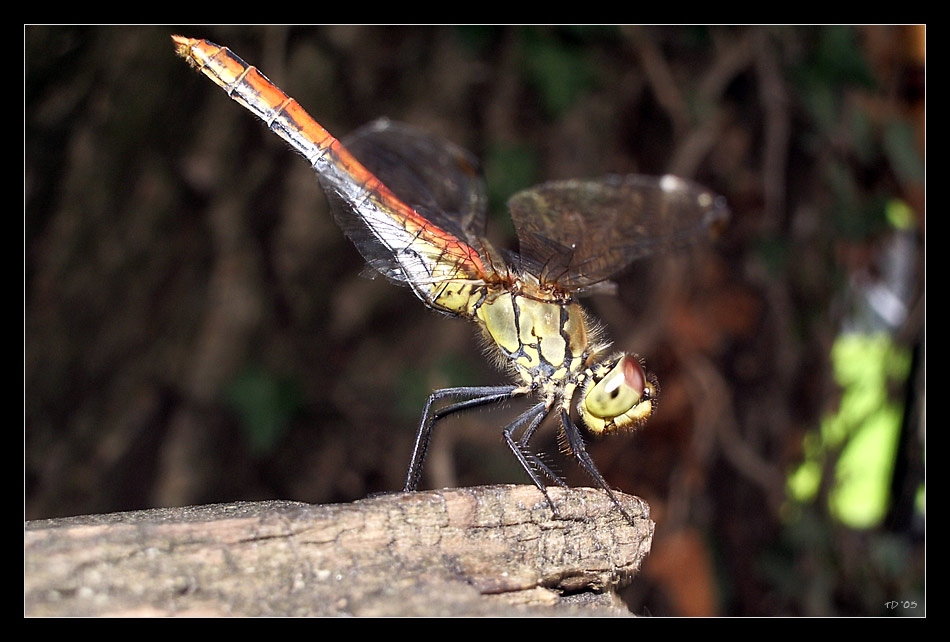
[{"x": 577, "y": 233}]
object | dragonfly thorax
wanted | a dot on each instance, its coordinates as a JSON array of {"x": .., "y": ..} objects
[
  {"x": 543, "y": 341},
  {"x": 553, "y": 348}
]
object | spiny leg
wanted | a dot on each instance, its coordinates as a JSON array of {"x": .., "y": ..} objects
[
  {"x": 528, "y": 460},
  {"x": 576, "y": 444},
  {"x": 523, "y": 446},
  {"x": 535, "y": 459},
  {"x": 481, "y": 395}
]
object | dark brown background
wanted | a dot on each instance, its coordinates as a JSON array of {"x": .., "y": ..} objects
[{"x": 196, "y": 329}]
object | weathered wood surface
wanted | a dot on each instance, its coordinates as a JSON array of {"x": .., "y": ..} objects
[{"x": 493, "y": 550}]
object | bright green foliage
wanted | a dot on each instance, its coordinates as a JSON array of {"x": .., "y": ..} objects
[{"x": 857, "y": 444}]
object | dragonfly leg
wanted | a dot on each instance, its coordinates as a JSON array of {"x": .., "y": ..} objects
[
  {"x": 576, "y": 444},
  {"x": 535, "y": 458},
  {"x": 529, "y": 461},
  {"x": 480, "y": 396}
]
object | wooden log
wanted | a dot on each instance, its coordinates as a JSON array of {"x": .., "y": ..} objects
[{"x": 492, "y": 550}]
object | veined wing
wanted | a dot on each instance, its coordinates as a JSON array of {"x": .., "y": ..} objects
[
  {"x": 418, "y": 252},
  {"x": 436, "y": 178},
  {"x": 577, "y": 233}
]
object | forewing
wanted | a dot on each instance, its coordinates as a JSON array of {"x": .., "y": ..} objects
[{"x": 577, "y": 233}]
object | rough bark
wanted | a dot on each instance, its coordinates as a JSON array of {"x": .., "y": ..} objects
[{"x": 495, "y": 550}]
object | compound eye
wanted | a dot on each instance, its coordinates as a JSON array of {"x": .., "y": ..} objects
[{"x": 619, "y": 391}]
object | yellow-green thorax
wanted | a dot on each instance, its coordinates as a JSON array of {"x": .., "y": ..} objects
[{"x": 545, "y": 339}]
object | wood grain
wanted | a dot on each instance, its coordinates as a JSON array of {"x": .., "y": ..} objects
[{"x": 493, "y": 550}]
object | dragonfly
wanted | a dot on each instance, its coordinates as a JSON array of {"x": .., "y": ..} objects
[{"x": 414, "y": 206}]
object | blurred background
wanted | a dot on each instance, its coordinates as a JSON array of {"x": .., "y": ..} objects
[{"x": 197, "y": 329}]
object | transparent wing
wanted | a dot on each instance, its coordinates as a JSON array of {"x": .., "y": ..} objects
[
  {"x": 577, "y": 233},
  {"x": 437, "y": 179},
  {"x": 429, "y": 173}
]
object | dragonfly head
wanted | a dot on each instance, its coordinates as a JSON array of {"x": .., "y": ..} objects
[{"x": 619, "y": 394}]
